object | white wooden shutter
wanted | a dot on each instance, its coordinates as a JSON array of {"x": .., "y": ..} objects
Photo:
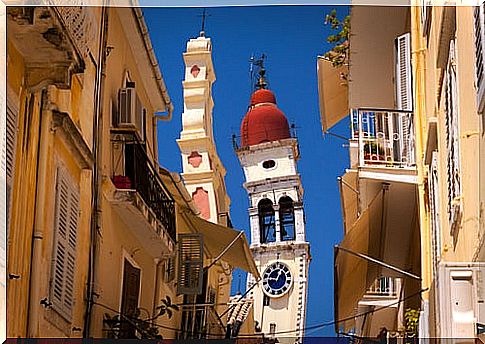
[
  {"x": 479, "y": 22},
  {"x": 452, "y": 139},
  {"x": 404, "y": 96},
  {"x": 65, "y": 241},
  {"x": 434, "y": 209},
  {"x": 190, "y": 264}
]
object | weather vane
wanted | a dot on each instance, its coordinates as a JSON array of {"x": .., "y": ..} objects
[
  {"x": 259, "y": 63},
  {"x": 204, "y": 15}
]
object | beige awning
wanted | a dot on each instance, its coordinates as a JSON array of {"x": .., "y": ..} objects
[
  {"x": 353, "y": 275},
  {"x": 333, "y": 93},
  {"x": 349, "y": 198},
  {"x": 217, "y": 238}
]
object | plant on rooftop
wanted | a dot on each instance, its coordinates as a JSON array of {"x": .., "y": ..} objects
[{"x": 339, "y": 54}]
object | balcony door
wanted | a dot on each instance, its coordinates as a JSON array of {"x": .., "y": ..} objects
[{"x": 129, "y": 299}]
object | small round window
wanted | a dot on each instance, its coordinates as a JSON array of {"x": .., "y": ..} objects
[{"x": 269, "y": 164}]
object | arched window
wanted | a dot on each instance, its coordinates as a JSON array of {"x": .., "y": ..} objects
[
  {"x": 267, "y": 228},
  {"x": 287, "y": 219}
]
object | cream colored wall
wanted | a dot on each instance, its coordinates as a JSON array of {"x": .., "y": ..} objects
[
  {"x": 253, "y": 164},
  {"x": 282, "y": 306},
  {"x": 374, "y": 29}
]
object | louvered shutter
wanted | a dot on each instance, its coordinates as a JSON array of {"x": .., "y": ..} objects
[
  {"x": 65, "y": 242},
  {"x": 404, "y": 96},
  {"x": 190, "y": 264},
  {"x": 479, "y": 22},
  {"x": 10, "y": 145},
  {"x": 129, "y": 300},
  {"x": 452, "y": 139}
]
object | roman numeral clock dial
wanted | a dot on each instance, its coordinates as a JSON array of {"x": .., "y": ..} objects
[{"x": 277, "y": 279}]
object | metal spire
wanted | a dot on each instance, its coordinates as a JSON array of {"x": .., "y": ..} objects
[
  {"x": 261, "y": 82},
  {"x": 204, "y": 15}
]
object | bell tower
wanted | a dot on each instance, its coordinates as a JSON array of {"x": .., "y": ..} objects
[
  {"x": 203, "y": 171},
  {"x": 269, "y": 155}
]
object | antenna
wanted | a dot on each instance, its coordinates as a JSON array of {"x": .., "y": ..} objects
[
  {"x": 251, "y": 71},
  {"x": 204, "y": 15}
]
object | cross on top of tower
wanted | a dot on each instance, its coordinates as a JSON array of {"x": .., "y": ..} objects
[{"x": 204, "y": 15}]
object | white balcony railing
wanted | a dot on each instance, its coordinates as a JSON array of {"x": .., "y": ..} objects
[
  {"x": 385, "y": 137},
  {"x": 384, "y": 286}
]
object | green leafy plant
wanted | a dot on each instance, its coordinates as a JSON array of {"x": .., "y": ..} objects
[
  {"x": 411, "y": 320},
  {"x": 339, "y": 54},
  {"x": 146, "y": 328}
]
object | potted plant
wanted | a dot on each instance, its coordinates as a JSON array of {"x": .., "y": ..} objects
[{"x": 374, "y": 151}]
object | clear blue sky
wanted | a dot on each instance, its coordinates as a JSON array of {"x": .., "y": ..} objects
[{"x": 292, "y": 37}]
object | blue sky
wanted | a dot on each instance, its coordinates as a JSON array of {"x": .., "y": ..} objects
[{"x": 292, "y": 37}]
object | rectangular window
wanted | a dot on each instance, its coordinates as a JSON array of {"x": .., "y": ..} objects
[
  {"x": 65, "y": 242},
  {"x": 452, "y": 140}
]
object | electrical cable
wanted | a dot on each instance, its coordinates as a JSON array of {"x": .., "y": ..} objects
[{"x": 333, "y": 322}]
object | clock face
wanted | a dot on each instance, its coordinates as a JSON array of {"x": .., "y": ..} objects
[{"x": 276, "y": 279}]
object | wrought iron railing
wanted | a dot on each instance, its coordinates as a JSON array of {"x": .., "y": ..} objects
[
  {"x": 140, "y": 174},
  {"x": 386, "y": 137},
  {"x": 383, "y": 286}
]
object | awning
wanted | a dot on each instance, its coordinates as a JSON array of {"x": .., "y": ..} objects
[
  {"x": 353, "y": 275},
  {"x": 333, "y": 93},
  {"x": 217, "y": 238},
  {"x": 349, "y": 197}
]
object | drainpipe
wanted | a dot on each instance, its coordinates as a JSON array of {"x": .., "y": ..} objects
[
  {"x": 156, "y": 292},
  {"x": 418, "y": 55},
  {"x": 96, "y": 210},
  {"x": 38, "y": 234}
]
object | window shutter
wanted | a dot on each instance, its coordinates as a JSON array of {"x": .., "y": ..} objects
[
  {"x": 190, "y": 264},
  {"x": 129, "y": 299},
  {"x": 434, "y": 207},
  {"x": 10, "y": 145},
  {"x": 480, "y": 54},
  {"x": 65, "y": 241},
  {"x": 452, "y": 140},
  {"x": 404, "y": 97}
]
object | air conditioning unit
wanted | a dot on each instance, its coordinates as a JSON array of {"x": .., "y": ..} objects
[
  {"x": 131, "y": 113},
  {"x": 461, "y": 299}
]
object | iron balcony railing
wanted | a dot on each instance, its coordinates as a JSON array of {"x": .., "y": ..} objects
[
  {"x": 140, "y": 174},
  {"x": 383, "y": 286},
  {"x": 386, "y": 137}
]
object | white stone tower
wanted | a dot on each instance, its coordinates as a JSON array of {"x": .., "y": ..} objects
[
  {"x": 203, "y": 172},
  {"x": 268, "y": 155}
]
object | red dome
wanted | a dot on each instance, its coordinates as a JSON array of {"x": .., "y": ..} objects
[
  {"x": 262, "y": 96},
  {"x": 264, "y": 122}
]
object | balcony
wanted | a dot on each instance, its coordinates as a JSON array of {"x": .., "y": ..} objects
[
  {"x": 384, "y": 286},
  {"x": 385, "y": 138},
  {"x": 201, "y": 321},
  {"x": 140, "y": 198}
]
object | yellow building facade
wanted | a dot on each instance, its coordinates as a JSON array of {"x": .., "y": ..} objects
[
  {"x": 92, "y": 221},
  {"x": 447, "y": 71},
  {"x": 425, "y": 63}
]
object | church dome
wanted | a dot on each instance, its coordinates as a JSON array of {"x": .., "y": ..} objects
[{"x": 264, "y": 122}]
